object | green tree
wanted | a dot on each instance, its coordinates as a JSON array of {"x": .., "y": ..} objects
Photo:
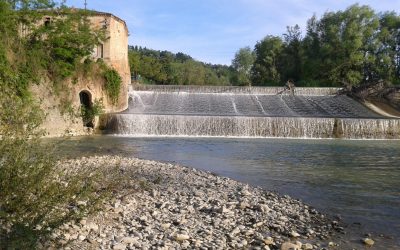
[
  {"x": 134, "y": 63},
  {"x": 242, "y": 63},
  {"x": 211, "y": 77},
  {"x": 267, "y": 66},
  {"x": 311, "y": 51},
  {"x": 387, "y": 64},
  {"x": 344, "y": 42},
  {"x": 193, "y": 73},
  {"x": 292, "y": 54},
  {"x": 69, "y": 39},
  {"x": 164, "y": 67},
  {"x": 30, "y": 4}
]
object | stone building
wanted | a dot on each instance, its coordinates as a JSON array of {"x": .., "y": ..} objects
[
  {"x": 86, "y": 90},
  {"x": 114, "y": 52}
]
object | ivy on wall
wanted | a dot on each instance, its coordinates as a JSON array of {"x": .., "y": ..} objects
[{"x": 113, "y": 84}]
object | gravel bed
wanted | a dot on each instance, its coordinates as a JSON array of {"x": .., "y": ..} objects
[{"x": 168, "y": 206}]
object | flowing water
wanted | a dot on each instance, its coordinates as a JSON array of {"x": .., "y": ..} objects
[
  {"x": 247, "y": 112},
  {"x": 358, "y": 180}
]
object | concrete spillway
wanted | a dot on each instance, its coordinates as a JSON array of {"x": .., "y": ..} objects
[{"x": 247, "y": 112}]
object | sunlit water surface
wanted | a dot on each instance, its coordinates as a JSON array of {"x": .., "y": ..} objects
[{"x": 357, "y": 180}]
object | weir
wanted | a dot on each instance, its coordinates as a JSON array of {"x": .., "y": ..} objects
[{"x": 247, "y": 112}]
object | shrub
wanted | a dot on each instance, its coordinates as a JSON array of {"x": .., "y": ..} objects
[{"x": 36, "y": 195}]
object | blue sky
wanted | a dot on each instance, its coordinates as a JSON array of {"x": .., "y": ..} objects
[{"x": 213, "y": 30}]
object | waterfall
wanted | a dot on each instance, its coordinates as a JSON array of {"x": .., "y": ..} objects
[
  {"x": 370, "y": 128},
  {"x": 237, "y": 126},
  {"x": 246, "y": 112}
]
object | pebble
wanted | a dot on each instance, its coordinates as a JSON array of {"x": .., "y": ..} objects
[
  {"x": 119, "y": 247},
  {"x": 269, "y": 241},
  {"x": 264, "y": 208},
  {"x": 289, "y": 246},
  {"x": 294, "y": 234},
  {"x": 310, "y": 231},
  {"x": 368, "y": 242},
  {"x": 129, "y": 240},
  {"x": 92, "y": 226},
  {"x": 244, "y": 205},
  {"x": 185, "y": 244},
  {"x": 67, "y": 236},
  {"x": 189, "y": 209},
  {"x": 182, "y": 237},
  {"x": 165, "y": 226},
  {"x": 307, "y": 246},
  {"x": 246, "y": 193}
]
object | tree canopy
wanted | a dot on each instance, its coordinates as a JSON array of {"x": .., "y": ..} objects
[
  {"x": 164, "y": 67},
  {"x": 242, "y": 63},
  {"x": 342, "y": 48}
]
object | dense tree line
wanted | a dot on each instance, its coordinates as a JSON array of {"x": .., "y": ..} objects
[
  {"x": 164, "y": 67},
  {"x": 343, "y": 48}
]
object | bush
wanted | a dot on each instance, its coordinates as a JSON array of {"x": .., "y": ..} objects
[
  {"x": 113, "y": 84},
  {"x": 36, "y": 195}
]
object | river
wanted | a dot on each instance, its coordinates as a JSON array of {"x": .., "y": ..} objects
[{"x": 357, "y": 180}]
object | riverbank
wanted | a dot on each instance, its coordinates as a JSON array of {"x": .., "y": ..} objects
[{"x": 170, "y": 206}]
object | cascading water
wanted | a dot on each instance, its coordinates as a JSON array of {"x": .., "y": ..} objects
[{"x": 247, "y": 112}]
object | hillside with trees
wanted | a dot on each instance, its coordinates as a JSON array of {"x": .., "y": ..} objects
[{"x": 164, "y": 67}]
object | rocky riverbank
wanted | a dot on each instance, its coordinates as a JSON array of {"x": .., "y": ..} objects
[{"x": 168, "y": 206}]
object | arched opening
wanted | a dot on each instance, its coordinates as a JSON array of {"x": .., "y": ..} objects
[{"x": 86, "y": 108}]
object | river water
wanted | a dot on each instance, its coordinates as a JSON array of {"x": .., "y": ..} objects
[{"x": 358, "y": 180}]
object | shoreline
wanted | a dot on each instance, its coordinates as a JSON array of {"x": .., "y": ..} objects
[{"x": 170, "y": 206}]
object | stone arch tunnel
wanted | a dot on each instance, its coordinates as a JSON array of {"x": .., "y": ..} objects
[{"x": 85, "y": 98}]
